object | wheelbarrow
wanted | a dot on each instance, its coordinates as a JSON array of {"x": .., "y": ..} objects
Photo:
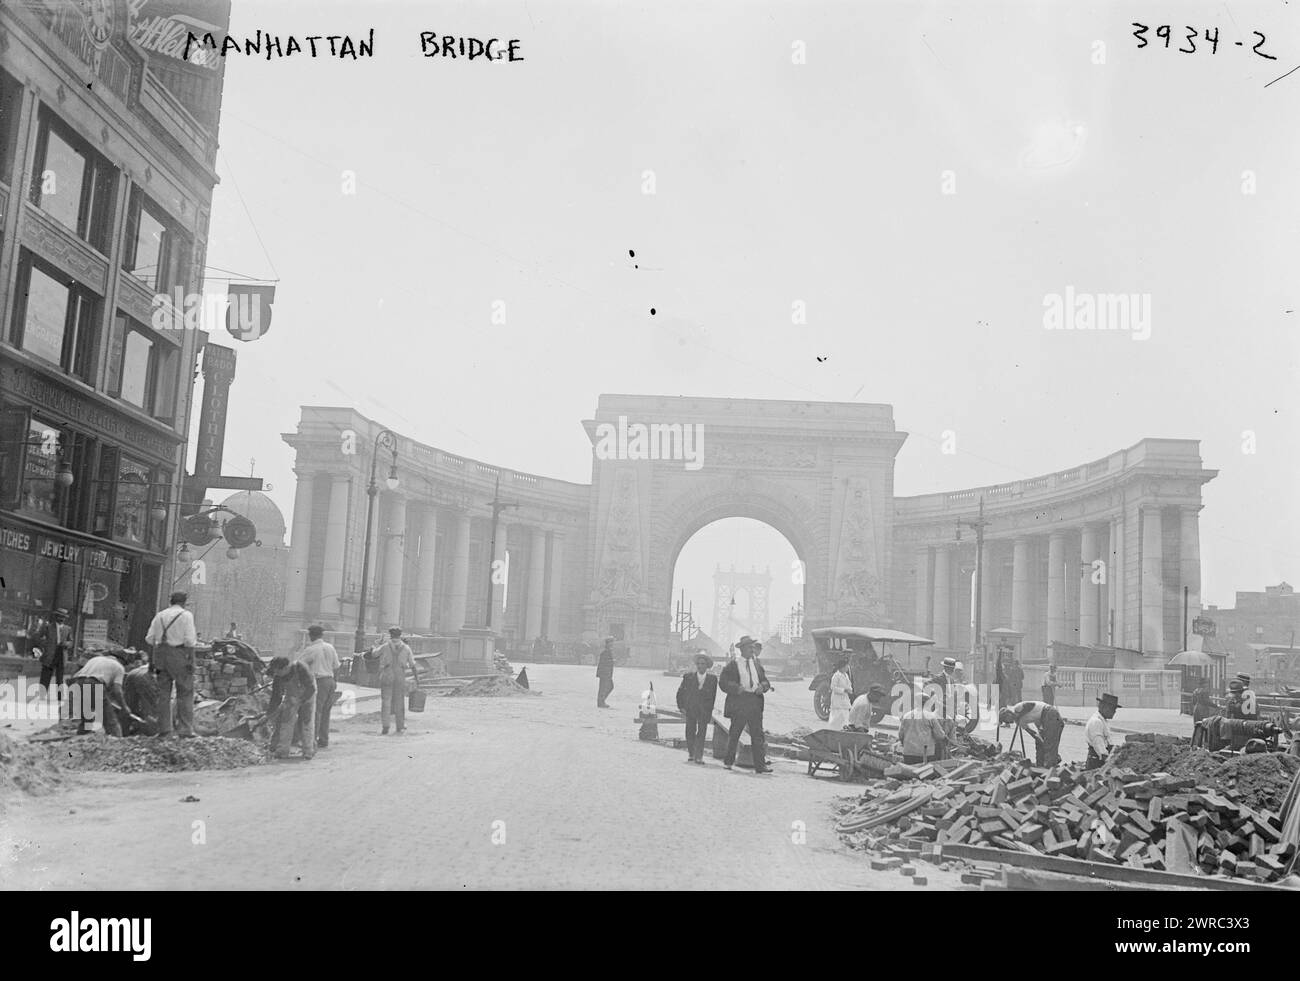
[{"x": 850, "y": 752}]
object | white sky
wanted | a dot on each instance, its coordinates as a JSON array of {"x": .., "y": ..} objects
[{"x": 775, "y": 183}]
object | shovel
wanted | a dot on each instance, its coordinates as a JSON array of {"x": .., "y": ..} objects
[{"x": 245, "y": 729}]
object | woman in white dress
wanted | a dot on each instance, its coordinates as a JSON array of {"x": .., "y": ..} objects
[{"x": 841, "y": 695}]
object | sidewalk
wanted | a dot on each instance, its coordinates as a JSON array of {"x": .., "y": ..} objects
[{"x": 1165, "y": 721}]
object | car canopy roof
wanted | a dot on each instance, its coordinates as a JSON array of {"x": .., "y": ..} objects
[{"x": 883, "y": 634}]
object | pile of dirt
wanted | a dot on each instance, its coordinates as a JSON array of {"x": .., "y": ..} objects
[
  {"x": 25, "y": 769},
  {"x": 1259, "y": 780},
  {"x": 138, "y": 754},
  {"x": 498, "y": 687},
  {"x": 1147, "y": 756}
]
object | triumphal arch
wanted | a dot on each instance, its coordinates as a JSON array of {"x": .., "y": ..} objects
[{"x": 576, "y": 562}]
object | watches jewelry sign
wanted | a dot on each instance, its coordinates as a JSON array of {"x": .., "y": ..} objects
[{"x": 218, "y": 373}]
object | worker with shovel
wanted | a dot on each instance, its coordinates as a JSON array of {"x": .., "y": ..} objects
[{"x": 293, "y": 702}]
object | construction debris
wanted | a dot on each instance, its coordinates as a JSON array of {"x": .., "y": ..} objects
[
  {"x": 138, "y": 754},
  {"x": 25, "y": 769},
  {"x": 1259, "y": 780},
  {"x": 499, "y": 686},
  {"x": 1158, "y": 821},
  {"x": 220, "y": 718}
]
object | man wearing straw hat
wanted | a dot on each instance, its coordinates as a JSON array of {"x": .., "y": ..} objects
[{"x": 1097, "y": 731}]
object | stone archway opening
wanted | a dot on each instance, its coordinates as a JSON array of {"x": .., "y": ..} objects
[{"x": 735, "y": 576}]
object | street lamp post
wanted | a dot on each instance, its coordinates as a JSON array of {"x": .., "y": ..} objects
[
  {"x": 389, "y": 440},
  {"x": 979, "y": 525}
]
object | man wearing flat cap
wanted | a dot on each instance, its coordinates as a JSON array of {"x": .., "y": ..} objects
[
  {"x": 745, "y": 682},
  {"x": 695, "y": 698},
  {"x": 1097, "y": 731}
]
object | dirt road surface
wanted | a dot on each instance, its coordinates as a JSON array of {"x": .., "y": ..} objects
[{"x": 544, "y": 792}]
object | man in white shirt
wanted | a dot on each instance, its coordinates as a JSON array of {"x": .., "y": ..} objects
[
  {"x": 867, "y": 709},
  {"x": 173, "y": 638},
  {"x": 1044, "y": 724},
  {"x": 1097, "y": 731},
  {"x": 102, "y": 699},
  {"x": 323, "y": 660},
  {"x": 745, "y": 682}
]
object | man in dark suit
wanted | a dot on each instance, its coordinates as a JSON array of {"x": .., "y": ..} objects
[
  {"x": 695, "y": 697},
  {"x": 605, "y": 673},
  {"x": 55, "y": 643},
  {"x": 744, "y": 682}
]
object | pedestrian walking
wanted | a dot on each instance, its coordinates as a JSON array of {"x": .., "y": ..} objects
[
  {"x": 605, "y": 673},
  {"x": 323, "y": 661},
  {"x": 52, "y": 644},
  {"x": 841, "y": 694},
  {"x": 394, "y": 658},
  {"x": 173, "y": 638},
  {"x": 292, "y": 706},
  {"x": 696, "y": 696},
  {"x": 744, "y": 681},
  {"x": 1049, "y": 685}
]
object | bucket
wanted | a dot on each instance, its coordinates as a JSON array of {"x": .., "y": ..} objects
[{"x": 415, "y": 701}]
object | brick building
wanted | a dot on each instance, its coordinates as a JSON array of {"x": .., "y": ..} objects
[
  {"x": 108, "y": 144},
  {"x": 1258, "y": 620}
]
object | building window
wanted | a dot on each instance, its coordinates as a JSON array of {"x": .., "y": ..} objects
[
  {"x": 1259, "y": 631},
  {"x": 72, "y": 183},
  {"x": 55, "y": 318},
  {"x": 142, "y": 368},
  {"x": 11, "y": 95},
  {"x": 156, "y": 250}
]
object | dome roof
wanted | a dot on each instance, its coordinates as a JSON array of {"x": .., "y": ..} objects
[{"x": 262, "y": 511}]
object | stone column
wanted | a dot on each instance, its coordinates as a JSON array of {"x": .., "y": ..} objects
[
  {"x": 552, "y": 627},
  {"x": 422, "y": 615},
  {"x": 924, "y": 600},
  {"x": 1153, "y": 586},
  {"x": 394, "y": 552},
  {"x": 1088, "y": 590},
  {"x": 536, "y": 584},
  {"x": 1020, "y": 587},
  {"x": 295, "y": 593},
  {"x": 1118, "y": 601},
  {"x": 499, "y": 573},
  {"x": 458, "y": 588},
  {"x": 1189, "y": 566},
  {"x": 943, "y": 596},
  {"x": 1071, "y": 579},
  {"x": 336, "y": 540},
  {"x": 1056, "y": 629}
]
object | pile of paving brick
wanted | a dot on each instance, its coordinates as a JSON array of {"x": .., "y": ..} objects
[
  {"x": 222, "y": 675},
  {"x": 138, "y": 754},
  {"x": 1116, "y": 817},
  {"x": 25, "y": 769}
]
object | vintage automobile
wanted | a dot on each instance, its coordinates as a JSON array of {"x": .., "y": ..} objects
[{"x": 870, "y": 660}]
